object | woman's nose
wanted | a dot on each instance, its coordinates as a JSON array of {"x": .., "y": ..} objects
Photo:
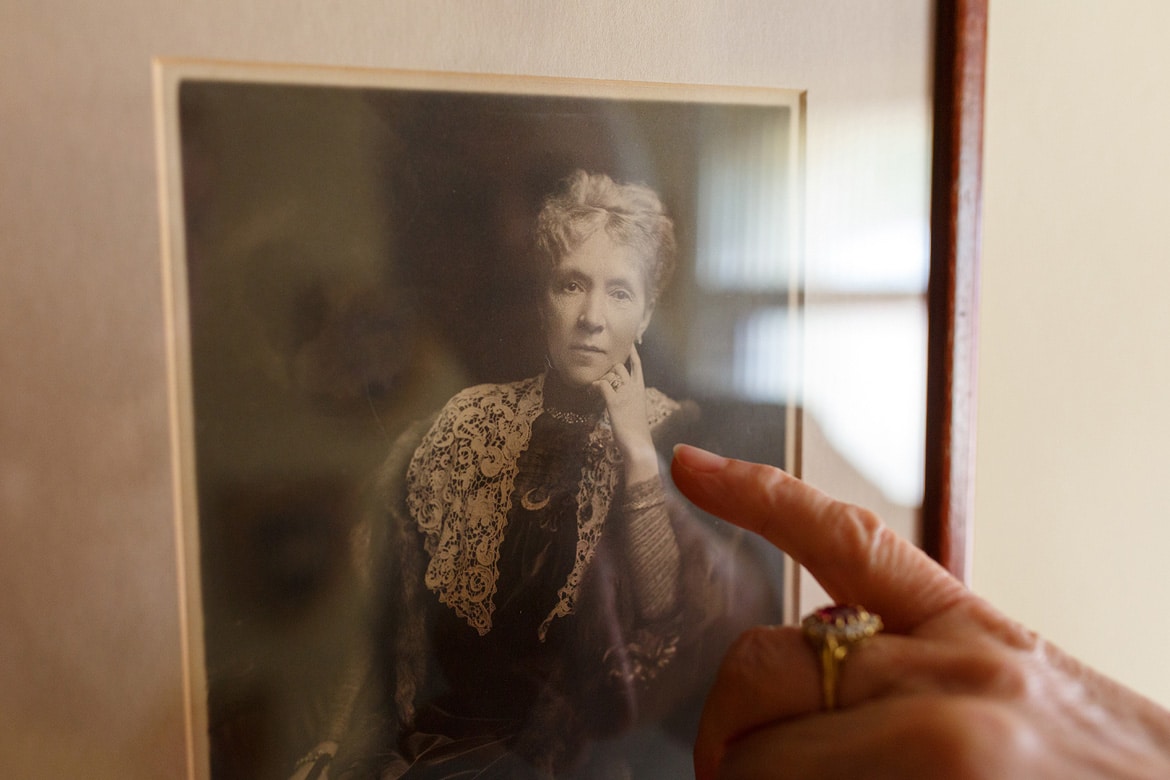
[{"x": 592, "y": 316}]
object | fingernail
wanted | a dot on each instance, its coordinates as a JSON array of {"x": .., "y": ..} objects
[{"x": 696, "y": 459}]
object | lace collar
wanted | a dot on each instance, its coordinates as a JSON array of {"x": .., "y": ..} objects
[{"x": 460, "y": 483}]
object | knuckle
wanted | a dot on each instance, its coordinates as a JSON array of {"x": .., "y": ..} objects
[
  {"x": 1001, "y": 654},
  {"x": 751, "y": 654},
  {"x": 773, "y": 482},
  {"x": 862, "y": 534},
  {"x": 969, "y": 739},
  {"x": 997, "y": 673},
  {"x": 994, "y": 624}
]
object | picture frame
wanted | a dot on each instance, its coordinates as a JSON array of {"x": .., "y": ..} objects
[
  {"x": 348, "y": 251},
  {"x": 944, "y": 511},
  {"x": 956, "y": 187}
]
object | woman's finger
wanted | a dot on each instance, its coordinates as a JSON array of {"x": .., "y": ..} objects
[
  {"x": 635, "y": 364},
  {"x": 854, "y": 556},
  {"x": 768, "y": 674},
  {"x": 771, "y": 674},
  {"x": 610, "y": 383},
  {"x": 908, "y": 736},
  {"x": 619, "y": 372}
]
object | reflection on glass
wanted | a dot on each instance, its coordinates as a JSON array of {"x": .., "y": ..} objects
[
  {"x": 854, "y": 354},
  {"x": 871, "y": 400},
  {"x": 747, "y": 245},
  {"x": 746, "y": 222}
]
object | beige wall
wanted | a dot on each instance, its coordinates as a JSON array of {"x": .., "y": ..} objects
[{"x": 1072, "y": 505}]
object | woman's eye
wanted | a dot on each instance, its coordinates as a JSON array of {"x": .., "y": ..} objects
[
  {"x": 623, "y": 295},
  {"x": 571, "y": 286}
]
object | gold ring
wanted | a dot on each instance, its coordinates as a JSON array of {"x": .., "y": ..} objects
[
  {"x": 616, "y": 383},
  {"x": 833, "y": 632}
]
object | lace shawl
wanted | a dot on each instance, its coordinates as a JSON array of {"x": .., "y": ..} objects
[{"x": 459, "y": 492}]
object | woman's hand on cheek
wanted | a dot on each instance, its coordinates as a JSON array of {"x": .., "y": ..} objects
[
  {"x": 951, "y": 689},
  {"x": 624, "y": 391}
]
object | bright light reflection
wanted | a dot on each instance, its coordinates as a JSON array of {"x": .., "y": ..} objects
[
  {"x": 869, "y": 392},
  {"x": 868, "y": 395},
  {"x": 856, "y": 362}
]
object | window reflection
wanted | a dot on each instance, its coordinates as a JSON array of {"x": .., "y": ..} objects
[
  {"x": 854, "y": 354},
  {"x": 747, "y": 232}
]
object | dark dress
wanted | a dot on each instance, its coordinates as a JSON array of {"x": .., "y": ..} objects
[
  {"x": 494, "y": 681},
  {"x": 534, "y": 697}
]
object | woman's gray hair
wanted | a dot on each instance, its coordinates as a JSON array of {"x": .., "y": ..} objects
[{"x": 632, "y": 215}]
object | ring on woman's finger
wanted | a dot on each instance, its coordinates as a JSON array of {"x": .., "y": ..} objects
[
  {"x": 833, "y": 632},
  {"x": 616, "y": 383}
]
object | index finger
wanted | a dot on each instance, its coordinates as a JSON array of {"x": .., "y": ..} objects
[
  {"x": 854, "y": 556},
  {"x": 635, "y": 364}
]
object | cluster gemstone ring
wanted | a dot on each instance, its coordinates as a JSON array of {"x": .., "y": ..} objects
[{"x": 833, "y": 632}]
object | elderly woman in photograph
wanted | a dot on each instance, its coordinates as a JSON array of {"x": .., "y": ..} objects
[{"x": 539, "y": 590}]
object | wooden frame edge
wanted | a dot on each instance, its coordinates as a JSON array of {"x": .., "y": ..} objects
[{"x": 956, "y": 200}]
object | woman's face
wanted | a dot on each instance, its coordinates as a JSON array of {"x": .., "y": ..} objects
[{"x": 596, "y": 307}]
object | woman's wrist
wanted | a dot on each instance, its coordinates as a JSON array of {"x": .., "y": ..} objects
[{"x": 641, "y": 464}]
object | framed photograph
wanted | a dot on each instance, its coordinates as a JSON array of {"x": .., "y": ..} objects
[
  {"x": 395, "y": 298},
  {"x": 422, "y": 325}
]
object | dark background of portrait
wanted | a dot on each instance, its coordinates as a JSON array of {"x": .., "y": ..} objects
[{"x": 354, "y": 257}]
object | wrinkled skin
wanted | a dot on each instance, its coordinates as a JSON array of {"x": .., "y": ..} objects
[
  {"x": 626, "y": 405},
  {"x": 596, "y": 308},
  {"x": 951, "y": 689}
]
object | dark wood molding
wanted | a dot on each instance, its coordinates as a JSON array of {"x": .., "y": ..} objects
[{"x": 960, "y": 57}]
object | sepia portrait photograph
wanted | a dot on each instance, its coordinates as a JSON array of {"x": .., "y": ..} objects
[{"x": 434, "y": 339}]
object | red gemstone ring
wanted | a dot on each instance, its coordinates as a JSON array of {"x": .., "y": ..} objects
[{"x": 833, "y": 632}]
